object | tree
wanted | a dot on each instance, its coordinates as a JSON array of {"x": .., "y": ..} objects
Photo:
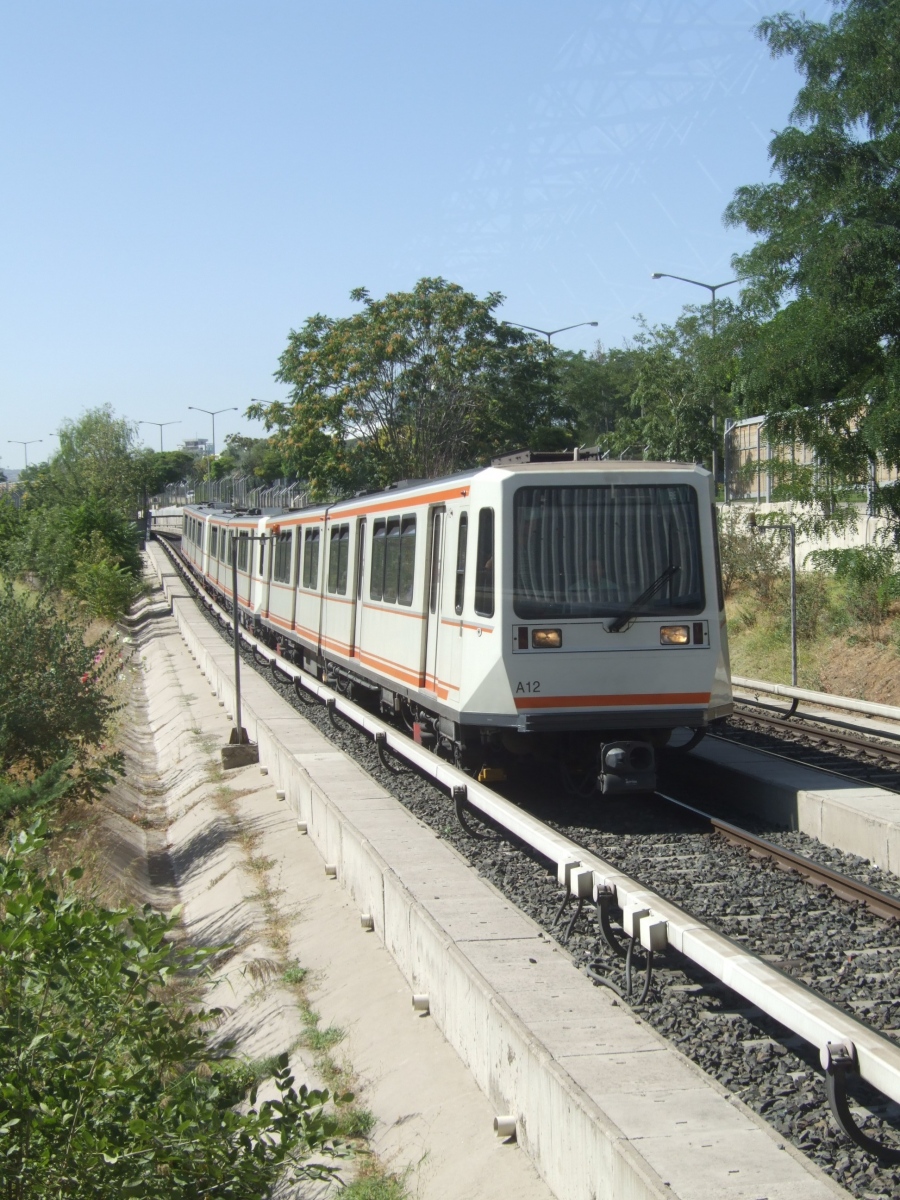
[
  {"x": 822, "y": 279},
  {"x": 416, "y": 385},
  {"x": 76, "y": 529},
  {"x": 679, "y": 376},
  {"x": 598, "y": 389},
  {"x": 161, "y": 467}
]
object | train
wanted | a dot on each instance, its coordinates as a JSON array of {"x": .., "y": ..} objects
[{"x": 547, "y": 605}]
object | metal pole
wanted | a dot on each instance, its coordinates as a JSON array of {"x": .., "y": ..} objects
[
  {"x": 715, "y": 419},
  {"x": 237, "y": 734},
  {"x": 793, "y": 533}
]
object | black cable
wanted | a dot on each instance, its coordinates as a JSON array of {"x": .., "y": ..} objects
[
  {"x": 629, "y": 954},
  {"x": 603, "y": 906},
  {"x": 571, "y": 924},
  {"x": 603, "y": 981},
  {"x": 836, "y": 1089},
  {"x": 303, "y": 695}
]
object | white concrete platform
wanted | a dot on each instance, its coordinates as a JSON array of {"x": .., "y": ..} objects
[
  {"x": 839, "y": 812},
  {"x": 603, "y": 1105}
]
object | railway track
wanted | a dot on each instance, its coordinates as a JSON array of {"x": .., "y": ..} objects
[
  {"x": 726, "y": 930},
  {"x": 873, "y": 758}
]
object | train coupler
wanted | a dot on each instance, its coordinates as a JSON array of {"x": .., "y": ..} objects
[{"x": 626, "y": 767}]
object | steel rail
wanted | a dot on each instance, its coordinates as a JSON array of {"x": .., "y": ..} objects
[
  {"x": 649, "y": 917},
  {"x": 881, "y": 903},
  {"x": 801, "y": 723}
]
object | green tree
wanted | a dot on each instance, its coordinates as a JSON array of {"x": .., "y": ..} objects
[
  {"x": 597, "y": 388},
  {"x": 415, "y": 385},
  {"x": 109, "y": 1085},
  {"x": 822, "y": 279},
  {"x": 680, "y": 376},
  {"x": 161, "y": 467}
]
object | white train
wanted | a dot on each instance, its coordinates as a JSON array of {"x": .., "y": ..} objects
[{"x": 543, "y": 605}]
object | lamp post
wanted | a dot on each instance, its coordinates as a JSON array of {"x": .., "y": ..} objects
[
  {"x": 792, "y": 533},
  {"x": 160, "y": 424},
  {"x": 712, "y": 288},
  {"x": 549, "y": 334},
  {"x": 30, "y": 442},
  {"x": 209, "y": 412}
]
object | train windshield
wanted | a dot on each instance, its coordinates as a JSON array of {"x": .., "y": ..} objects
[{"x": 595, "y": 551}]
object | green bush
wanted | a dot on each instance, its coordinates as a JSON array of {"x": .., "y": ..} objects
[
  {"x": 55, "y": 691},
  {"x": 108, "y": 1084},
  {"x": 869, "y": 574},
  {"x": 754, "y": 560}
]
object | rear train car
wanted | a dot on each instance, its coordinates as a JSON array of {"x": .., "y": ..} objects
[{"x": 565, "y": 609}]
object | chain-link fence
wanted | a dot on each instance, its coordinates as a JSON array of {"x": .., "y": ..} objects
[{"x": 235, "y": 491}]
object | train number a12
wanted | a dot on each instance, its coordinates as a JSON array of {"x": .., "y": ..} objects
[{"x": 532, "y": 686}]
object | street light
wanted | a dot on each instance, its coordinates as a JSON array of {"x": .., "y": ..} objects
[
  {"x": 160, "y": 424},
  {"x": 550, "y": 333},
  {"x": 712, "y": 288},
  {"x": 31, "y": 442},
  {"x": 193, "y": 408}
]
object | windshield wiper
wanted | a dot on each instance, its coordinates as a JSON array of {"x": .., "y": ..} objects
[{"x": 617, "y": 625}]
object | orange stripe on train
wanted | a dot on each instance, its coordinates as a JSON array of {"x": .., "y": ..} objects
[{"x": 627, "y": 701}]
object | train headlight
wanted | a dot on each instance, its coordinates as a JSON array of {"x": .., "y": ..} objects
[
  {"x": 674, "y": 635},
  {"x": 546, "y": 639}
]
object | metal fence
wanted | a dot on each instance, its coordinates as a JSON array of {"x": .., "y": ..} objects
[{"x": 236, "y": 491}]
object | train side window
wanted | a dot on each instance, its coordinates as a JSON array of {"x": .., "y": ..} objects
[
  {"x": 407, "y": 560},
  {"x": 214, "y": 542},
  {"x": 376, "y": 576},
  {"x": 484, "y": 568},
  {"x": 391, "y": 560},
  {"x": 223, "y": 546},
  {"x": 461, "y": 543},
  {"x": 338, "y": 554},
  {"x": 311, "y": 559},
  {"x": 281, "y": 567},
  {"x": 243, "y": 551}
]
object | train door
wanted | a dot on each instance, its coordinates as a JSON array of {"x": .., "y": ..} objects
[
  {"x": 359, "y": 594},
  {"x": 435, "y": 586}
]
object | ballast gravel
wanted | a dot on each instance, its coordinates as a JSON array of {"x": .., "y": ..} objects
[{"x": 836, "y": 947}]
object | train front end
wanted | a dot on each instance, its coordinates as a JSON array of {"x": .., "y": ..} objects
[{"x": 612, "y": 612}]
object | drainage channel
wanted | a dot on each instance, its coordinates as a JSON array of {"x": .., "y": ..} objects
[{"x": 650, "y": 922}]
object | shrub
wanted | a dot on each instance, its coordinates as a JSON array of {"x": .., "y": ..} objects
[
  {"x": 754, "y": 560},
  {"x": 108, "y": 1085},
  {"x": 55, "y": 691},
  {"x": 870, "y": 576}
]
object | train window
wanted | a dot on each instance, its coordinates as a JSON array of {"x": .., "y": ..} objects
[
  {"x": 214, "y": 542},
  {"x": 601, "y": 550},
  {"x": 338, "y": 555},
  {"x": 281, "y": 567},
  {"x": 484, "y": 566},
  {"x": 223, "y": 545},
  {"x": 391, "y": 559},
  {"x": 376, "y": 578},
  {"x": 243, "y": 551},
  {"x": 461, "y": 541},
  {"x": 407, "y": 560},
  {"x": 311, "y": 559}
]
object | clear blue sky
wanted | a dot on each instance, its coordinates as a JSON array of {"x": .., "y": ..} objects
[{"x": 184, "y": 182}]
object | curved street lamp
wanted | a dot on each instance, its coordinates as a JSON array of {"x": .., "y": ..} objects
[
  {"x": 712, "y": 288},
  {"x": 209, "y": 412},
  {"x": 549, "y": 334},
  {"x": 160, "y": 424},
  {"x": 30, "y": 442}
]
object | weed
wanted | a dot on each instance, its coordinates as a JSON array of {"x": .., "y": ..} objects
[{"x": 295, "y": 974}]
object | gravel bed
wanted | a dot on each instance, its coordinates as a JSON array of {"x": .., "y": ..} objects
[{"x": 808, "y": 932}]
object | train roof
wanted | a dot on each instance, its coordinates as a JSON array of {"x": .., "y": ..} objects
[{"x": 522, "y": 463}]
